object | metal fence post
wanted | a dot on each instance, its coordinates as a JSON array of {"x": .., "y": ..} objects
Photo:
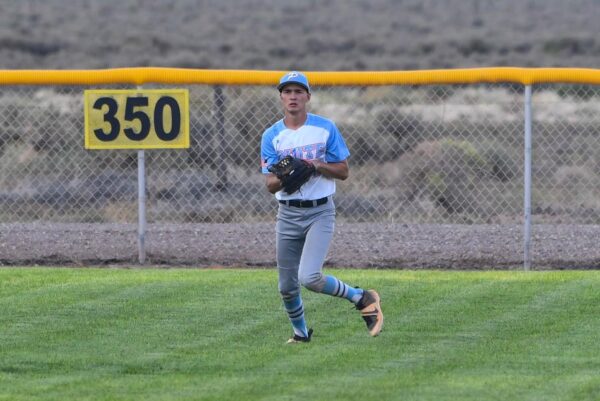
[
  {"x": 219, "y": 113},
  {"x": 527, "y": 182},
  {"x": 141, "y": 160}
]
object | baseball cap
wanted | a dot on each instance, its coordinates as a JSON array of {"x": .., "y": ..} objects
[{"x": 293, "y": 77}]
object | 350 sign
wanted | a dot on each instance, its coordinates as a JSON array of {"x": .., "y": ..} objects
[{"x": 136, "y": 119}]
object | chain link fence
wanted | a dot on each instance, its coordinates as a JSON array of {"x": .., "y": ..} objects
[{"x": 419, "y": 154}]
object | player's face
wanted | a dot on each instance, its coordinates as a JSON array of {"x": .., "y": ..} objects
[{"x": 294, "y": 98}]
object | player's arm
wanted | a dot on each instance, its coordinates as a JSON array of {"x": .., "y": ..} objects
[
  {"x": 268, "y": 156},
  {"x": 273, "y": 183},
  {"x": 339, "y": 170}
]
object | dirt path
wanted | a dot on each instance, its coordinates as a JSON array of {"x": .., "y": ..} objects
[{"x": 354, "y": 245}]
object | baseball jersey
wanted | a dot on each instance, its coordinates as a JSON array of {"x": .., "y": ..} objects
[{"x": 318, "y": 138}]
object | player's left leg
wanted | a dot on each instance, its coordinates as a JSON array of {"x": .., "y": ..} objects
[{"x": 316, "y": 245}]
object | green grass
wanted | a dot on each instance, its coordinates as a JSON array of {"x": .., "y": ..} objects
[{"x": 179, "y": 334}]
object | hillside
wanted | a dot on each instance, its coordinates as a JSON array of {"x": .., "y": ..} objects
[{"x": 305, "y": 34}]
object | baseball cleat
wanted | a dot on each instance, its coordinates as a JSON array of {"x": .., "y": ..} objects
[
  {"x": 299, "y": 339},
  {"x": 370, "y": 309}
]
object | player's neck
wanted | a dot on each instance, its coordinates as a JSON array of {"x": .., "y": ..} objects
[{"x": 295, "y": 120}]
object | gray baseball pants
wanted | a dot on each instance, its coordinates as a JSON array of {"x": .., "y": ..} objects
[{"x": 303, "y": 236}]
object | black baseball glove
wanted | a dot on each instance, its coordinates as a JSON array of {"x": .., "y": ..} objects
[{"x": 292, "y": 172}]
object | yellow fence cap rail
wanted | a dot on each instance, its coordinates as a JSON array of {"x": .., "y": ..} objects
[{"x": 158, "y": 75}]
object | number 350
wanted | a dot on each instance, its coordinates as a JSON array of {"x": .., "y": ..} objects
[{"x": 135, "y": 111}]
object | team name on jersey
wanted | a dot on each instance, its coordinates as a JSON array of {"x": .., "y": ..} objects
[{"x": 306, "y": 152}]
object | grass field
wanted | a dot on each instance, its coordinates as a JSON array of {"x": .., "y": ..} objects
[{"x": 186, "y": 334}]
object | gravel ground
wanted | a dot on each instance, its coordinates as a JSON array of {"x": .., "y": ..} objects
[{"x": 355, "y": 245}]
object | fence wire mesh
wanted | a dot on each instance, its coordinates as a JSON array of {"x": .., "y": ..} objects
[{"x": 419, "y": 154}]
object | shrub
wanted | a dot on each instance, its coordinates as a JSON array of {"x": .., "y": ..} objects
[
  {"x": 569, "y": 46},
  {"x": 367, "y": 147},
  {"x": 446, "y": 171},
  {"x": 500, "y": 163},
  {"x": 474, "y": 46},
  {"x": 406, "y": 129}
]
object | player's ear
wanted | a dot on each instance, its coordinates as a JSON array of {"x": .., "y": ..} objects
[{"x": 308, "y": 95}]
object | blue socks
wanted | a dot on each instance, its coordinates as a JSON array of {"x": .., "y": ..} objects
[
  {"x": 295, "y": 308},
  {"x": 295, "y": 311},
  {"x": 338, "y": 288}
]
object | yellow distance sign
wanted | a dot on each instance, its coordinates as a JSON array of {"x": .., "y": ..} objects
[{"x": 137, "y": 119}]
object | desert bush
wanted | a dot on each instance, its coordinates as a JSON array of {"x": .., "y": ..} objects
[
  {"x": 500, "y": 162},
  {"x": 446, "y": 171},
  {"x": 569, "y": 46},
  {"x": 366, "y": 147},
  {"x": 474, "y": 46},
  {"x": 405, "y": 127},
  {"x": 396, "y": 131},
  {"x": 453, "y": 183}
]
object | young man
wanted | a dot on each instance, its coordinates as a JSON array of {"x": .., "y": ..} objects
[{"x": 306, "y": 218}]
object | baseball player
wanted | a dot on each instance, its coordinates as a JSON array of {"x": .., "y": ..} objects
[{"x": 306, "y": 217}]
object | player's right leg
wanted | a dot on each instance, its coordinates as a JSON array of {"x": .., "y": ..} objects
[
  {"x": 294, "y": 307},
  {"x": 289, "y": 249}
]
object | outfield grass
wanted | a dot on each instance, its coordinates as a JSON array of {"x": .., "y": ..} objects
[{"x": 177, "y": 334}]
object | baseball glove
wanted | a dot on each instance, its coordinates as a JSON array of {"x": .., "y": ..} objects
[{"x": 292, "y": 172}]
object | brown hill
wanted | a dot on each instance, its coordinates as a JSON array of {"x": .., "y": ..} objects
[{"x": 304, "y": 34}]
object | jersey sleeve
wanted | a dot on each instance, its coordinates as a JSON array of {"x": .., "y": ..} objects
[
  {"x": 337, "y": 151},
  {"x": 268, "y": 154}
]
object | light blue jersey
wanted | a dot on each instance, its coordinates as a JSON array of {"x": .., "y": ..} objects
[{"x": 318, "y": 138}]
